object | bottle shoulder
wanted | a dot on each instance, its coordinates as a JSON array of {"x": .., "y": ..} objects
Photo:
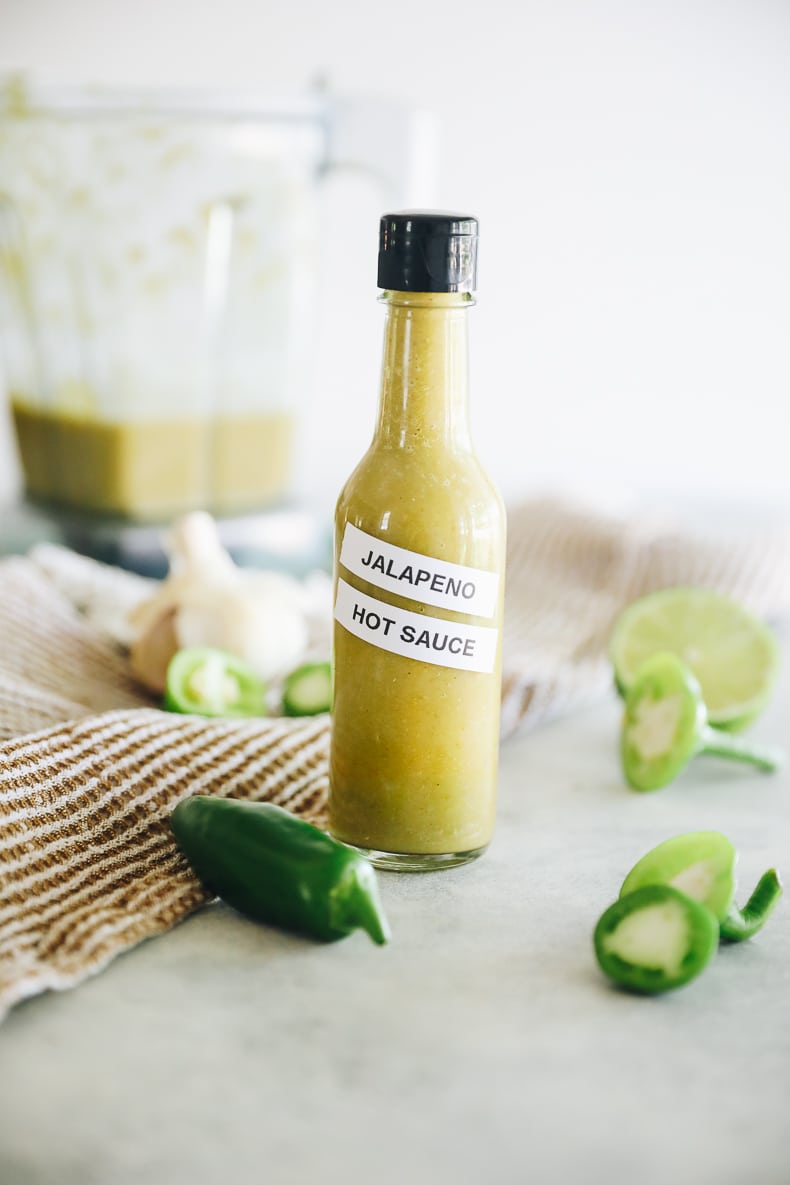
[{"x": 446, "y": 506}]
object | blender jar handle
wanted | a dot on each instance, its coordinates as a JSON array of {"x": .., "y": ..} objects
[{"x": 393, "y": 144}]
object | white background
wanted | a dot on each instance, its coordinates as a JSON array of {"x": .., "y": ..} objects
[{"x": 630, "y": 165}]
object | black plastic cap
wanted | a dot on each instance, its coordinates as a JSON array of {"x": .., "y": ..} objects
[{"x": 427, "y": 251}]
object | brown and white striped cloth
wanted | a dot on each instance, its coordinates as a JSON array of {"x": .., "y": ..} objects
[{"x": 90, "y": 770}]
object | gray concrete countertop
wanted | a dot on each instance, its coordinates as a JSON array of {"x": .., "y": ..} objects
[{"x": 483, "y": 1045}]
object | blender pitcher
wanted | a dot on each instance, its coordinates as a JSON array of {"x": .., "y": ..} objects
[{"x": 158, "y": 269}]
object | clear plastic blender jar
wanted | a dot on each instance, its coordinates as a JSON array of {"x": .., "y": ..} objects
[{"x": 158, "y": 260}]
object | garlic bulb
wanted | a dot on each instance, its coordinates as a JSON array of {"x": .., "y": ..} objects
[{"x": 207, "y": 600}]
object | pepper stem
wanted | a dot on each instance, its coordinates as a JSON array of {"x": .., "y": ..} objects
[
  {"x": 723, "y": 744},
  {"x": 744, "y": 923}
]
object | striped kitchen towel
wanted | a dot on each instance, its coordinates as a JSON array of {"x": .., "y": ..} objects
[{"x": 90, "y": 769}]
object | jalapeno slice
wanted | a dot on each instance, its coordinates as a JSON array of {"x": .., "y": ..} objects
[
  {"x": 701, "y": 864},
  {"x": 655, "y": 939},
  {"x": 308, "y": 690},
  {"x": 206, "y": 681},
  {"x": 665, "y": 725}
]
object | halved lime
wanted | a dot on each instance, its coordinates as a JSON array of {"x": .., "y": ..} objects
[{"x": 733, "y": 655}]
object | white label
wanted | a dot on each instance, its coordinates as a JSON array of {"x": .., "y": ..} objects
[
  {"x": 419, "y": 577},
  {"x": 429, "y": 639}
]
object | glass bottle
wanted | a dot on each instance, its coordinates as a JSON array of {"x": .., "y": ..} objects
[{"x": 419, "y": 578}]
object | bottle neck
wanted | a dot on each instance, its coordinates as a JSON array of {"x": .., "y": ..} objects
[{"x": 424, "y": 382}]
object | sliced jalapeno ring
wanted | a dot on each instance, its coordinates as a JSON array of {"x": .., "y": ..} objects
[
  {"x": 655, "y": 939},
  {"x": 308, "y": 690},
  {"x": 205, "y": 681}
]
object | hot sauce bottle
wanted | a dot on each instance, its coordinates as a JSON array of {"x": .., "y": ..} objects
[{"x": 419, "y": 578}]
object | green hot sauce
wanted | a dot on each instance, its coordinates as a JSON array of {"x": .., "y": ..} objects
[{"x": 420, "y": 543}]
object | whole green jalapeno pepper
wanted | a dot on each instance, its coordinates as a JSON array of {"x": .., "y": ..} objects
[{"x": 277, "y": 868}]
